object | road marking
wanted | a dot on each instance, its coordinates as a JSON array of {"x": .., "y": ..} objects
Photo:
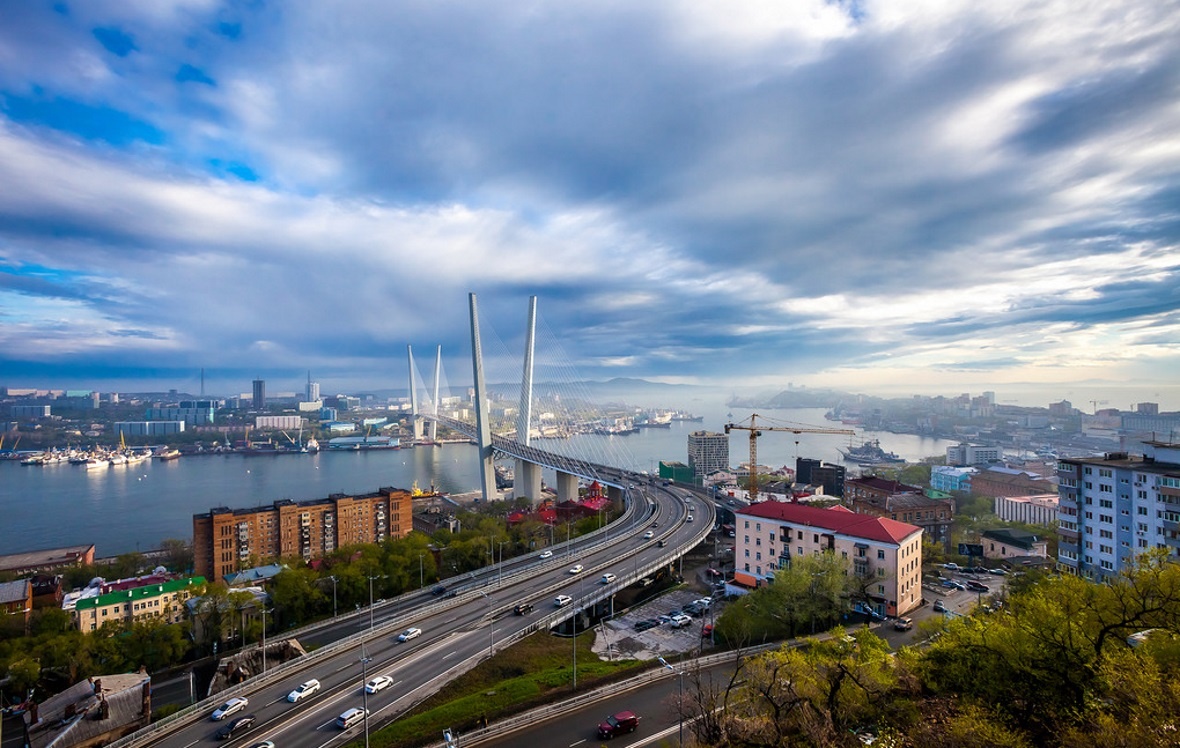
[
  {"x": 449, "y": 654},
  {"x": 579, "y": 742},
  {"x": 192, "y": 744}
]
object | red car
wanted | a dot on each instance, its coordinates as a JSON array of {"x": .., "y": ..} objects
[{"x": 617, "y": 724}]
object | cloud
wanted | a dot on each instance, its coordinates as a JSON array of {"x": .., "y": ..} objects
[{"x": 695, "y": 193}]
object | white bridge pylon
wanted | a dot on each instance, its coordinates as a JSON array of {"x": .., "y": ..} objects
[{"x": 529, "y": 461}]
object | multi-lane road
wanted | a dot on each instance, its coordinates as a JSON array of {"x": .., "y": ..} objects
[{"x": 456, "y": 631}]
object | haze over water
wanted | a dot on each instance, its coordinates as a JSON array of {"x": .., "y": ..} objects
[{"x": 134, "y": 508}]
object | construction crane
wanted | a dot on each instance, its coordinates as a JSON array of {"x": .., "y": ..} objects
[{"x": 756, "y": 431}]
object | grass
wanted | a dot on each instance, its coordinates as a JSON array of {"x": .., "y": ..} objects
[{"x": 536, "y": 671}]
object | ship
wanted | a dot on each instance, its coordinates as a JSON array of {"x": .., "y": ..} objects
[
  {"x": 167, "y": 453},
  {"x": 364, "y": 442},
  {"x": 870, "y": 453}
]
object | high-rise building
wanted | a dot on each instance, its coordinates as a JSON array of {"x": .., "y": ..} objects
[
  {"x": 1117, "y": 506},
  {"x": 228, "y": 540},
  {"x": 708, "y": 452},
  {"x": 259, "y": 394}
]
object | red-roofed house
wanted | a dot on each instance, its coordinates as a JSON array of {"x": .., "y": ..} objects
[{"x": 771, "y": 533}]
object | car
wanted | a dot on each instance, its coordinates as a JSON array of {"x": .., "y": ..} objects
[
  {"x": 411, "y": 633},
  {"x": 707, "y": 630},
  {"x": 704, "y": 602},
  {"x": 562, "y": 600},
  {"x": 951, "y": 567},
  {"x": 378, "y": 683},
  {"x": 546, "y": 554},
  {"x": 662, "y": 619},
  {"x": 978, "y": 586},
  {"x": 235, "y": 725},
  {"x": 607, "y": 578},
  {"x": 649, "y": 535},
  {"x": 980, "y": 569},
  {"x": 236, "y": 704},
  {"x": 939, "y": 606},
  {"x": 576, "y": 569},
  {"x": 693, "y": 610},
  {"x": 263, "y": 744},
  {"x": 523, "y": 609},
  {"x": 350, "y": 718},
  {"x": 680, "y": 621},
  {"x": 303, "y": 689},
  {"x": 950, "y": 583},
  {"x": 661, "y": 543},
  {"x": 438, "y": 590},
  {"x": 645, "y": 624},
  {"x": 903, "y": 624},
  {"x": 617, "y": 724},
  {"x": 998, "y": 572},
  {"x": 688, "y": 519}
]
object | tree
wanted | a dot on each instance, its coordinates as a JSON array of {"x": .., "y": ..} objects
[{"x": 178, "y": 555}]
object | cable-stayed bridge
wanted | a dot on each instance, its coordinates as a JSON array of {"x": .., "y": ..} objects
[{"x": 530, "y": 461}]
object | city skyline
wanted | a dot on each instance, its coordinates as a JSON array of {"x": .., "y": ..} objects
[{"x": 882, "y": 197}]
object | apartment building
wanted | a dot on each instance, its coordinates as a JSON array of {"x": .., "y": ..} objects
[
  {"x": 972, "y": 454},
  {"x": 1031, "y": 510},
  {"x": 708, "y": 452},
  {"x": 889, "y": 552},
  {"x": 1003, "y": 481},
  {"x": 164, "y": 601},
  {"x": 228, "y": 540},
  {"x": 1114, "y": 507}
]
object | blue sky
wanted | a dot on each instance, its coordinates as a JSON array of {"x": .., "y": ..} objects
[{"x": 896, "y": 196}]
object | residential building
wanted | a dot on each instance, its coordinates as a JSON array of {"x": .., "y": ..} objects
[
  {"x": 886, "y": 552},
  {"x": 948, "y": 478},
  {"x": 1030, "y": 510},
  {"x": 31, "y": 411},
  {"x": 1116, "y": 506},
  {"x": 708, "y": 452},
  {"x": 192, "y": 412},
  {"x": 164, "y": 601},
  {"x": 933, "y": 513},
  {"x": 1003, "y": 481},
  {"x": 16, "y": 604},
  {"x": 972, "y": 454},
  {"x": 819, "y": 473},
  {"x": 871, "y": 487},
  {"x": 1009, "y": 543},
  {"x": 229, "y": 540},
  {"x": 278, "y": 422}
]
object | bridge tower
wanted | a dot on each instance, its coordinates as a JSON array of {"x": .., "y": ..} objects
[
  {"x": 527, "y": 475},
  {"x": 437, "y": 404},
  {"x": 487, "y": 467},
  {"x": 415, "y": 416}
]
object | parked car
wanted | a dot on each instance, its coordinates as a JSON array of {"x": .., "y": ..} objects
[
  {"x": 562, "y": 600},
  {"x": 607, "y": 578},
  {"x": 378, "y": 683},
  {"x": 646, "y": 623},
  {"x": 998, "y": 572},
  {"x": 617, "y": 724},
  {"x": 350, "y": 718},
  {"x": 951, "y": 567},
  {"x": 411, "y": 633},
  {"x": 680, "y": 621},
  {"x": 978, "y": 586},
  {"x": 576, "y": 569},
  {"x": 706, "y": 630},
  {"x": 693, "y": 609},
  {"x": 523, "y": 609},
  {"x": 235, "y": 725},
  {"x": 662, "y": 619},
  {"x": 903, "y": 624},
  {"x": 303, "y": 689},
  {"x": 236, "y": 704},
  {"x": 939, "y": 606}
]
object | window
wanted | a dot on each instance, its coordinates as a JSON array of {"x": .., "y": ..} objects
[
  {"x": 880, "y": 554},
  {"x": 880, "y": 571}
]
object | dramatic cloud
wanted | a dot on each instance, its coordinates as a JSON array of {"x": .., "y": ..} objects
[{"x": 863, "y": 194}]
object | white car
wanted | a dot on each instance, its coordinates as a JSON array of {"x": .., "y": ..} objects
[
  {"x": 576, "y": 569},
  {"x": 546, "y": 554},
  {"x": 607, "y": 578},
  {"x": 411, "y": 633},
  {"x": 689, "y": 518},
  {"x": 303, "y": 689},
  {"x": 236, "y": 704},
  {"x": 562, "y": 600},
  {"x": 648, "y": 535},
  {"x": 378, "y": 683}
]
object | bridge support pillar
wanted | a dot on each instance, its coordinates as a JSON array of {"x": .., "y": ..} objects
[
  {"x": 526, "y": 481},
  {"x": 615, "y": 494},
  {"x": 567, "y": 487}
]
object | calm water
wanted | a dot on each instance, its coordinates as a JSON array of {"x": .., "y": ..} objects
[{"x": 134, "y": 508}]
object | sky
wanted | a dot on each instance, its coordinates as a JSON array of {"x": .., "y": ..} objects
[{"x": 904, "y": 195}]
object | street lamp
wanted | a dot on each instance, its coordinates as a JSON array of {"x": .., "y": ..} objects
[
  {"x": 364, "y": 691},
  {"x": 264, "y": 612},
  {"x": 680, "y": 703},
  {"x": 500, "y": 566},
  {"x": 421, "y": 583},
  {"x": 491, "y": 625},
  {"x": 334, "y": 580},
  {"x": 371, "y": 601}
]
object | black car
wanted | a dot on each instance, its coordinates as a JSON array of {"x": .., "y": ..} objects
[
  {"x": 437, "y": 590},
  {"x": 523, "y": 609},
  {"x": 693, "y": 610},
  {"x": 235, "y": 726},
  {"x": 645, "y": 624}
]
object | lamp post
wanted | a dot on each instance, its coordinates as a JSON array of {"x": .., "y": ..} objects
[
  {"x": 680, "y": 703},
  {"x": 371, "y": 602},
  {"x": 421, "y": 582},
  {"x": 500, "y": 566},
  {"x": 491, "y": 625},
  {"x": 364, "y": 691},
  {"x": 334, "y": 580},
  {"x": 264, "y": 612}
]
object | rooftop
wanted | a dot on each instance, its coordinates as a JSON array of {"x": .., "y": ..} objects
[
  {"x": 139, "y": 593},
  {"x": 837, "y": 519}
]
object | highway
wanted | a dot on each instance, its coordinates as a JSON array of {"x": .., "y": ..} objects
[{"x": 458, "y": 631}]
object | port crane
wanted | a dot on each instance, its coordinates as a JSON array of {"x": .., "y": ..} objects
[{"x": 756, "y": 431}]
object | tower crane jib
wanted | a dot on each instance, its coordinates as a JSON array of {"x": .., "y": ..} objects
[{"x": 756, "y": 431}]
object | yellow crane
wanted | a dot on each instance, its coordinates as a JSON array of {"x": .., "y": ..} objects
[{"x": 756, "y": 431}]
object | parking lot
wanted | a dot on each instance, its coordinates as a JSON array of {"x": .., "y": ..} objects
[{"x": 627, "y": 637}]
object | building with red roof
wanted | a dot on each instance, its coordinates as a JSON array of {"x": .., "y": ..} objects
[{"x": 884, "y": 553}]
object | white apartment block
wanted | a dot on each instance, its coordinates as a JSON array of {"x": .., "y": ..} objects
[
  {"x": 708, "y": 452},
  {"x": 1031, "y": 510},
  {"x": 1117, "y": 506},
  {"x": 972, "y": 454},
  {"x": 278, "y": 422},
  {"x": 771, "y": 533}
]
